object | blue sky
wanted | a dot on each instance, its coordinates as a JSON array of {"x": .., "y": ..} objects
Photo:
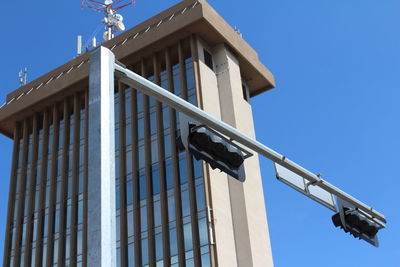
[{"x": 335, "y": 109}]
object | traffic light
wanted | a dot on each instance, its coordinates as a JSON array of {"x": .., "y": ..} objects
[
  {"x": 210, "y": 146},
  {"x": 353, "y": 221},
  {"x": 206, "y": 145}
]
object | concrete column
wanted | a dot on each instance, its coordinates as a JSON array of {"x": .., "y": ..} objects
[
  {"x": 252, "y": 242},
  {"x": 101, "y": 250},
  {"x": 221, "y": 203}
]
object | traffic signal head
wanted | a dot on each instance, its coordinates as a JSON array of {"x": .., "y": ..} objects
[
  {"x": 356, "y": 223},
  {"x": 207, "y": 145}
]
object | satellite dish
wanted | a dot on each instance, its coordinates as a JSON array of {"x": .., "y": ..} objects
[
  {"x": 120, "y": 26},
  {"x": 108, "y": 2}
]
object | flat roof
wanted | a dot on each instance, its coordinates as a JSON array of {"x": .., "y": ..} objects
[{"x": 184, "y": 19}]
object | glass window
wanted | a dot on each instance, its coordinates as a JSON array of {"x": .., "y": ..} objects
[
  {"x": 117, "y": 167},
  {"x": 127, "y": 102},
  {"x": 57, "y": 221},
  {"x": 173, "y": 242},
  {"x": 117, "y": 198},
  {"x": 208, "y": 60},
  {"x": 116, "y": 138},
  {"x": 80, "y": 242},
  {"x": 165, "y": 112},
  {"x": 187, "y": 232},
  {"x": 129, "y": 194},
  {"x": 80, "y": 212},
  {"x": 201, "y": 205},
  {"x": 171, "y": 208},
  {"x": 189, "y": 74},
  {"x": 176, "y": 80},
  {"x": 67, "y": 244},
  {"x": 159, "y": 247},
  {"x": 155, "y": 173},
  {"x": 130, "y": 224},
  {"x": 68, "y": 216},
  {"x": 167, "y": 144},
  {"x": 142, "y": 184},
  {"x": 154, "y": 151},
  {"x": 157, "y": 213},
  {"x": 183, "y": 168},
  {"x": 140, "y": 125},
  {"x": 153, "y": 123},
  {"x": 141, "y": 156},
  {"x": 190, "y": 263},
  {"x": 139, "y": 102},
  {"x": 128, "y": 162},
  {"x": 198, "y": 168},
  {"x": 128, "y": 130},
  {"x": 143, "y": 218},
  {"x": 118, "y": 257},
  {"x": 169, "y": 173},
  {"x": 203, "y": 233},
  {"x": 145, "y": 254},
  {"x": 55, "y": 255},
  {"x": 131, "y": 255},
  {"x": 205, "y": 260},
  {"x": 118, "y": 226},
  {"x": 185, "y": 203}
]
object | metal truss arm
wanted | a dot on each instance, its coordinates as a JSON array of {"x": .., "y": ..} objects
[{"x": 149, "y": 88}]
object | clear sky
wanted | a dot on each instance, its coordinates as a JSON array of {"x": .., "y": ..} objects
[{"x": 335, "y": 109}]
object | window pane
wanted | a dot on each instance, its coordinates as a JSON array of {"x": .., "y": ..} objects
[
  {"x": 171, "y": 208},
  {"x": 140, "y": 128},
  {"x": 185, "y": 203},
  {"x": 143, "y": 218},
  {"x": 203, "y": 233},
  {"x": 198, "y": 168},
  {"x": 156, "y": 179},
  {"x": 169, "y": 174},
  {"x": 128, "y": 162},
  {"x": 187, "y": 230},
  {"x": 142, "y": 184},
  {"x": 145, "y": 255},
  {"x": 154, "y": 151},
  {"x": 153, "y": 123},
  {"x": 173, "y": 242},
  {"x": 131, "y": 255},
  {"x": 182, "y": 168},
  {"x": 201, "y": 205},
  {"x": 129, "y": 194},
  {"x": 159, "y": 247},
  {"x": 130, "y": 224},
  {"x": 157, "y": 213}
]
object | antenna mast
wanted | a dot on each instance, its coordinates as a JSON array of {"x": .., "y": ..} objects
[
  {"x": 23, "y": 76},
  {"x": 112, "y": 20}
]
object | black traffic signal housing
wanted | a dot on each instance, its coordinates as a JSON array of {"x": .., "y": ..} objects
[
  {"x": 357, "y": 223},
  {"x": 215, "y": 149},
  {"x": 219, "y": 153}
]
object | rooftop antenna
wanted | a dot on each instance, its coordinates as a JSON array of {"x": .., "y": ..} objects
[
  {"x": 22, "y": 76},
  {"x": 112, "y": 21},
  {"x": 79, "y": 45}
]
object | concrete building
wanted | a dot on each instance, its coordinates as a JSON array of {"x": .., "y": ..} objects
[{"x": 171, "y": 210}]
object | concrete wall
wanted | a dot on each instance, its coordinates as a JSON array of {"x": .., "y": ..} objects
[{"x": 241, "y": 228}]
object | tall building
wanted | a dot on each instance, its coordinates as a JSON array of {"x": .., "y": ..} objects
[{"x": 171, "y": 209}]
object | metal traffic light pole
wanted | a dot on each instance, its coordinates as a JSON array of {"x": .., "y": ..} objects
[{"x": 134, "y": 80}]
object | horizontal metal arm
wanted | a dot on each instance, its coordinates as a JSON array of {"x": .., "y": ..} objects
[{"x": 149, "y": 88}]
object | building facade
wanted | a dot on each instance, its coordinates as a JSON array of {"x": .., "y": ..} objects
[{"x": 171, "y": 209}]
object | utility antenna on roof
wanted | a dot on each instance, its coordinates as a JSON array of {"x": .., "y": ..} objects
[
  {"x": 113, "y": 21},
  {"x": 22, "y": 76}
]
